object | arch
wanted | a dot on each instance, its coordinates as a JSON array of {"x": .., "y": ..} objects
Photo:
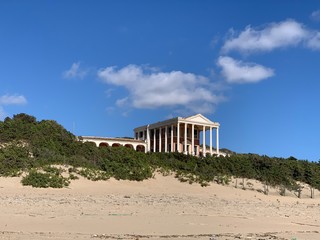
[
  {"x": 103, "y": 144},
  {"x": 129, "y": 146},
  {"x": 141, "y": 148},
  {"x": 116, "y": 145}
]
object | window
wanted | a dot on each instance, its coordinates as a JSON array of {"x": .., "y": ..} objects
[
  {"x": 140, "y": 134},
  {"x": 195, "y": 133}
]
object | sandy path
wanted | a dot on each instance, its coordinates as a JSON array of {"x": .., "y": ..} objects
[{"x": 154, "y": 209}]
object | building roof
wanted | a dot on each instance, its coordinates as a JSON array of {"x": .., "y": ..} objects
[
  {"x": 117, "y": 139},
  {"x": 197, "y": 119}
]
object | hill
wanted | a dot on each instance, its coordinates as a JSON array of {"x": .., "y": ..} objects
[{"x": 32, "y": 148}]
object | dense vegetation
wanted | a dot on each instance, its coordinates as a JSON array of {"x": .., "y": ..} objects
[{"x": 32, "y": 147}]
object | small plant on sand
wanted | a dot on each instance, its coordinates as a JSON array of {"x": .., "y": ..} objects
[
  {"x": 222, "y": 179},
  {"x": 73, "y": 177},
  {"x": 164, "y": 171},
  {"x": 204, "y": 184},
  {"x": 250, "y": 185}
]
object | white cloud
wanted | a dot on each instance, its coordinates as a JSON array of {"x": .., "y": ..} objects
[
  {"x": 3, "y": 113},
  {"x": 12, "y": 100},
  {"x": 314, "y": 41},
  {"x": 7, "y": 99},
  {"x": 75, "y": 72},
  {"x": 122, "y": 102},
  {"x": 275, "y": 35},
  {"x": 315, "y": 16},
  {"x": 152, "y": 89},
  {"x": 240, "y": 72}
]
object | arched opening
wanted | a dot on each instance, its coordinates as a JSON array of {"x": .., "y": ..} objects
[
  {"x": 116, "y": 145},
  {"x": 103, "y": 144},
  {"x": 141, "y": 148},
  {"x": 129, "y": 146}
]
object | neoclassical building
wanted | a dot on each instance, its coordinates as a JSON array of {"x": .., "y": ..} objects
[
  {"x": 180, "y": 135},
  {"x": 173, "y": 135}
]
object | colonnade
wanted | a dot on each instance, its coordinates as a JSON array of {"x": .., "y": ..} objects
[{"x": 181, "y": 133}]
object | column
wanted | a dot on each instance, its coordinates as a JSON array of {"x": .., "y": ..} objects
[
  {"x": 172, "y": 149},
  {"x": 143, "y": 136},
  {"x": 185, "y": 138},
  {"x": 154, "y": 140},
  {"x": 178, "y": 137},
  {"x": 204, "y": 141},
  {"x": 210, "y": 141},
  {"x": 192, "y": 140},
  {"x": 160, "y": 140},
  {"x": 217, "y": 140},
  {"x": 148, "y": 138},
  {"x": 166, "y": 139}
]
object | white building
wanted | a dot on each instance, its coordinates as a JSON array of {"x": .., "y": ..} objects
[
  {"x": 180, "y": 135},
  {"x": 173, "y": 135}
]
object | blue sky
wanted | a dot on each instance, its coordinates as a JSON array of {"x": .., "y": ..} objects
[{"x": 105, "y": 67}]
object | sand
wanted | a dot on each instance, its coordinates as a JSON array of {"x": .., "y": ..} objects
[{"x": 158, "y": 208}]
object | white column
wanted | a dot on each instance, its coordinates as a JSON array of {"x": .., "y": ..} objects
[
  {"x": 172, "y": 150},
  {"x": 166, "y": 139},
  {"x": 148, "y": 139},
  {"x": 204, "y": 141},
  {"x": 217, "y": 140},
  {"x": 185, "y": 137},
  {"x": 210, "y": 141},
  {"x": 178, "y": 137},
  {"x": 159, "y": 139},
  {"x": 192, "y": 140},
  {"x": 154, "y": 140}
]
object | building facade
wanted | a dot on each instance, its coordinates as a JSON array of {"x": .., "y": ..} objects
[
  {"x": 181, "y": 135},
  {"x": 137, "y": 145},
  {"x": 178, "y": 134}
]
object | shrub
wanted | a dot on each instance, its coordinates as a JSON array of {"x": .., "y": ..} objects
[
  {"x": 73, "y": 177},
  {"x": 93, "y": 174},
  {"x": 44, "y": 180},
  {"x": 52, "y": 170}
]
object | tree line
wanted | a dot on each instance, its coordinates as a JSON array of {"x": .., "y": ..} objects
[{"x": 27, "y": 144}]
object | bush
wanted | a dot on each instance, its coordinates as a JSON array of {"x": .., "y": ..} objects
[
  {"x": 14, "y": 157},
  {"x": 52, "y": 170},
  {"x": 44, "y": 180},
  {"x": 93, "y": 174}
]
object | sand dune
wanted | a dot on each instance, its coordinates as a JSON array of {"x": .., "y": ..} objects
[{"x": 159, "y": 208}]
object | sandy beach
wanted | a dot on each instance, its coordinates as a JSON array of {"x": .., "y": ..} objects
[{"x": 158, "y": 208}]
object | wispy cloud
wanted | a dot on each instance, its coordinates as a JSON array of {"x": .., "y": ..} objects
[
  {"x": 75, "y": 72},
  {"x": 12, "y": 100},
  {"x": 6, "y": 100},
  {"x": 274, "y": 35},
  {"x": 236, "y": 71},
  {"x": 153, "y": 89},
  {"x": 3, "y": 114},
  {"x": 315, "y": 15},
  {"x": 314, "y": 41}
]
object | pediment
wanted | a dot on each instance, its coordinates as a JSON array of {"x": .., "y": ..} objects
[{"x": 199, "y": 118}]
